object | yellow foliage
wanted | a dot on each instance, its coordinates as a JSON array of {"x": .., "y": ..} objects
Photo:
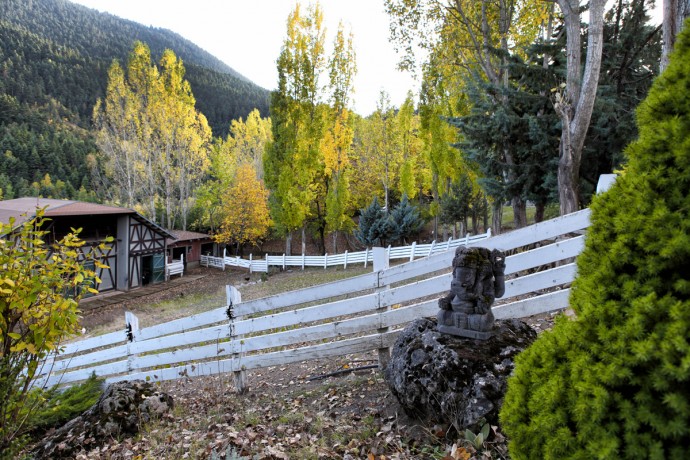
[{"x": 245, "y": 207}]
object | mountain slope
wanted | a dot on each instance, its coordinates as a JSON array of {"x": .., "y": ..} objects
[
  {"x": 54, "y": 58},
  {"x": 57, "y": 49}
]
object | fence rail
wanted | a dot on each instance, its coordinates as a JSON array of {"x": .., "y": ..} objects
[
  {"x": 357, "y": 314},
  {"x": 365, "y": 257}
]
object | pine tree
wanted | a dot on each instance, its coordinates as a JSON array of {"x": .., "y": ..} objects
[
  {"x": 374, "y": 225},
  {"x": 405, "y": 221},
  {"x": 615, "y": 382}
]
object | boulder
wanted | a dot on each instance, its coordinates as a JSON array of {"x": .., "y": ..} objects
[
  {"x": 122, "y": 409},
  {"x": 454, "y": 380}
]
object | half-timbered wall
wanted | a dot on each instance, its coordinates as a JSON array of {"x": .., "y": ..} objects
[{"x": 144, "y": 240}]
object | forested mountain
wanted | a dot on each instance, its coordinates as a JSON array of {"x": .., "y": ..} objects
[{"x": 54, "y": 58}]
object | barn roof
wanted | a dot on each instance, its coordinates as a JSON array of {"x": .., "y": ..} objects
[
  {"x": 183, "y": 235},
  {"x": 23, "y": 209}
]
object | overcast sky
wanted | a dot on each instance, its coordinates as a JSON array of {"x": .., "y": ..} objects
[{"x": 248, "y": 34}]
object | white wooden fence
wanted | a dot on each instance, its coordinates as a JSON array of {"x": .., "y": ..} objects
[
  {"x": 176, "y": 267},
  {"x": 354, "y": 315},
  {"x": 410, "y": 252}
]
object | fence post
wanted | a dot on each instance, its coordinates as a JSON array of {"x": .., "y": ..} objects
[
  {"x": 366, "y": 256},
  {"x": 381, "y": 262},
  {"x": 132, "y": 332},
  {"x": 431, "y": 249},
  {"x": 467, "y": 239},
  {"x": 182, "y": 262},
  {"x": 345, "y": 264},
  {"x": 283, "y": 261},
  {"x": 414, "y": 245},
  {"x": 448, "y": 242},
  {"x": 250, "y": 263},
  {"x": 233, "y": 299},
  {"x": 303, "y": 256},
  {"x": 266, "y": 262},
  {"x": 224, "y": 258},
  {"x": 325, "y": 261}
]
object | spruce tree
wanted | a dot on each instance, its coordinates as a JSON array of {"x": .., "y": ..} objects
[
  {"x": 615, "y": 382},
  {"x": 405, "y": 221},
  {"x": 374, "y": 225}
]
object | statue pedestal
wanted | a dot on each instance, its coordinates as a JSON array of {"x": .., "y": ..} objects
[
  {"x": 451, "y": 380},
  {"x": 452, "y": 330}
]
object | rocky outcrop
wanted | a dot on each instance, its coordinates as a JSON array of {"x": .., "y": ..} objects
[
  {"x": 454, "y": 380},
  {"x": 122, "y": 409}
]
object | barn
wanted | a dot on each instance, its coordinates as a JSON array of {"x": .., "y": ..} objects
[
  {"x": 136, "y": 256},
  {"x": 190, "y": 245}
]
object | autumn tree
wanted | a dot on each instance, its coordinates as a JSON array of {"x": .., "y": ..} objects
[
  {"x": 292, "y": 160},
  {"x": 386, "y": 156},
  {"x": 414, "y": 176},
  {"x": 40, "y": 287},
  {"x": 245, "y": 144},
  {"x": 154, "y": 140},
  {"x": 246, "y": 218},
  {"x": 475, "y": 39},
  {"x": 336, "y": 145}
]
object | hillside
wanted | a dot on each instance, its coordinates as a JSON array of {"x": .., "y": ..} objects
[{"x": 54, "y": 57}]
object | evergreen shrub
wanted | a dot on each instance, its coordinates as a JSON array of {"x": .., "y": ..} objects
[{"x": 615, "y": 382}]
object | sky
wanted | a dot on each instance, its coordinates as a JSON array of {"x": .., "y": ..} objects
[{"x": 248, "y": 34}]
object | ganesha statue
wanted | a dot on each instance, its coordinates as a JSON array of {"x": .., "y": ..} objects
[{"x": 478, "y": 278}]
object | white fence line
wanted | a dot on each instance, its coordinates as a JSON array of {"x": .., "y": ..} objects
[
  {"x": 357, "y": 314},
  {"x": 360, "y": 257}
]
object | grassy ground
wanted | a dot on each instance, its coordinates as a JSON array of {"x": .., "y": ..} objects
[{"x": 208, "y": 293}]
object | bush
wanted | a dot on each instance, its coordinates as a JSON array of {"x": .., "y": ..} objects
[
  {"x": 40, "y": 286},
  {"x": 615, "y": 382}
]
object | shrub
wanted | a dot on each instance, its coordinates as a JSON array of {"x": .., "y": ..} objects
[
  {"x": 40, "y": 286},
  {"x": 615, "y": 382}
]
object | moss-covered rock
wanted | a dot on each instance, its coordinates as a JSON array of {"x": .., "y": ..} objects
[{"x": 615, "y": 382}]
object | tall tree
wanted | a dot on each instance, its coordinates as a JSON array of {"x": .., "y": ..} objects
[
  {"x": 154, "y": 140},
  {"x": 475, "y": 38},
  {"x": 336, "y": 144},
  {"x": 292, "y": 159},
  {"x": 575, "y": 105}
]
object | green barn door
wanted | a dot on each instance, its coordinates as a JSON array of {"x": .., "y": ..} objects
[{"x": 158, "y": 268}]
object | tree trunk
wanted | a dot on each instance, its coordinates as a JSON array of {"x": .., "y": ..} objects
[
  {"x": 519, "y": 211},
  {"x": 576, "y": 105},
  {"x": 304, "y": 239},
  {"x": 288, "y": 244},
  {"x": 497, "y": 218},
  {"x": 675, "y": 13},
  {"x": 539, "y": 212}
]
